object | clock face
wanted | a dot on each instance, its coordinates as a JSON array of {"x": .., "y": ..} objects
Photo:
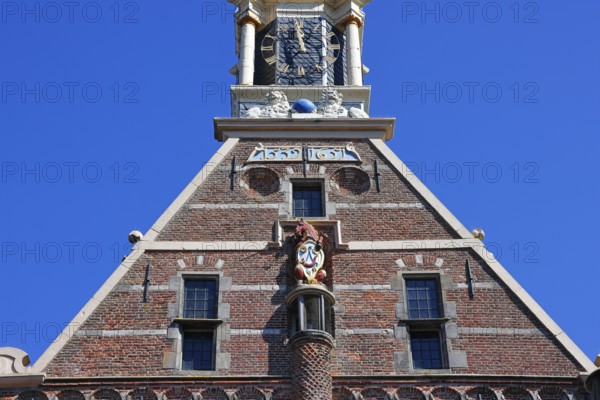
[{"x": 301, "y": 51}]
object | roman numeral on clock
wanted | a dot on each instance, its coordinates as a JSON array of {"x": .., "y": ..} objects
[
  {"x": 271, "y": 60},
  {"x": 301, "y": 71},
  {"x": 284, "y": 68}
]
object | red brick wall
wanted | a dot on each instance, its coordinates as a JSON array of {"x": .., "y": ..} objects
[{"x": 355, "y": 354}]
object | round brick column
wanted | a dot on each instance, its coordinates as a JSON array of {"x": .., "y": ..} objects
[{"x": 311, "y": 364}]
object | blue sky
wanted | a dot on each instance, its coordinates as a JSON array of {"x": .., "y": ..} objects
[{"x": 106, "y": 114}]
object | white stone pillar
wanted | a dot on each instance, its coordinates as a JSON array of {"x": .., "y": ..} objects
[
  {"x": 355, "y": 76},
  {"x": 247, "y": 48}
]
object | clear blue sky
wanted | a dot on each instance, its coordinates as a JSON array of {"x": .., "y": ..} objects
[{"x": 106, "y": 114}]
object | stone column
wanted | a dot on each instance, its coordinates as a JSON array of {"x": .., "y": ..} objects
[
  {"x": 355, "y": 75},
  {"x": 311, "y": 363},
  {"x": 247, "y": 49}
]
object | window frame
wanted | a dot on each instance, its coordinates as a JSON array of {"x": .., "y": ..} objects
[
  {"x": 438, "y": 293},
  {"x": 198, "y": 325},
  {"x": 297, "y": 314},
  {"x": 414, "y": 325},
  {"x": 213, "y": 355},
  {"x": 412, "y": 330},
  {"x": 307, "y": 183},
  {"x": 215, "y": 295}
]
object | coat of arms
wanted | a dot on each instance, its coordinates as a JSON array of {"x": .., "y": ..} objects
[{"x": 310, "y": 257}]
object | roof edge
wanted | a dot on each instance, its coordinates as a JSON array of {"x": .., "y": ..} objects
[
  {"x": 42, "y": 363},
  {"x": 422, "y": 189},
  {"x": 558, "y": 333},
  {"x": 488, "y": 258}
]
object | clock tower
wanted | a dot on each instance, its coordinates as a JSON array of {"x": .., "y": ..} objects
[
  {"x": 305, "y": 261},
  {"x": 299, "y": 48}
]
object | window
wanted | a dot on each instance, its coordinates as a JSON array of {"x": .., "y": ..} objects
[
  {"x": 310, "y": 312},
  {"x": 198, "y": 350},
  {"x": 307, "y": 200},
  {"x": 423, "y": 299},
  {"x": 200, "y": 299},
  {"x": 199, "y": 322},
  {"x": 424, "y": 323},
  {"x": 426, "y": 350}
]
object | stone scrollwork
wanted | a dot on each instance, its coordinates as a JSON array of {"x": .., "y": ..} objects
[
  {"x": 275, "y": 153},
  {"x": 13, "y": 361},
  {"x": 345, "y": 153},
  {"x": 333, "y": 153}
]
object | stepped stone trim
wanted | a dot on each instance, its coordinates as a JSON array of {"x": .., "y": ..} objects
[
  {"x": 352, "y": 246},
  {"x": 364, "y": 331},
  {"x": 478, "y": 285},
  {"x": 121, "y": 332},
  {"x": 259, "y": 288},
  {"x": 414, "y": 244},
  {"x": 233, "y": 206},
  {"x": 240, "y": 288},
  {"x": 418, "y": 260},
  {"x": 257, "y": 332},
  {"x": 361, "y": 287},
  {"x": 501, "y": 331},
  {"x": 140, "y": 288},
  {"x": 379, "y": 205}
]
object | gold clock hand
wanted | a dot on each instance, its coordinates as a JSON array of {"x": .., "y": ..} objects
[{"x": 300, "y": 37}]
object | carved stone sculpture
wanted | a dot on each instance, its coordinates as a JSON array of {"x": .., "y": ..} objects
[
  {"x": 13, "y": 361},
  {"x": 330, "y": 106},
  {"x": 277, "y": 106}
]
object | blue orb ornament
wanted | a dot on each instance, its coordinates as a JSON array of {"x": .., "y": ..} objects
[{"x": 304, "y": 106}]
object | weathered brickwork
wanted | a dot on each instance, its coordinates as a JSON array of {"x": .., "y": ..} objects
[
  {"x": 311, "y": 360},
  {"x": 492, "y": 326},
  {"x": 214, "y": 224},
  {"x": 492, "y": 334}
]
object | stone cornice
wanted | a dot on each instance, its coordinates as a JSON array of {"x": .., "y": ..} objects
[
  {"x": 339, "y": 379},
  {"x": 21, "y": 380},
  {"x": 318, "y": 128}
]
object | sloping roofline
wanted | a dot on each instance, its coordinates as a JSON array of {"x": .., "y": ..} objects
[{"x": 401, "y": 168}]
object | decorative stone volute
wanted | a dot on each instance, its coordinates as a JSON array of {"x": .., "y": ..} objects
[
  {"x": 15, "y": 370},
  {"x": 13, "y": 361}
]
